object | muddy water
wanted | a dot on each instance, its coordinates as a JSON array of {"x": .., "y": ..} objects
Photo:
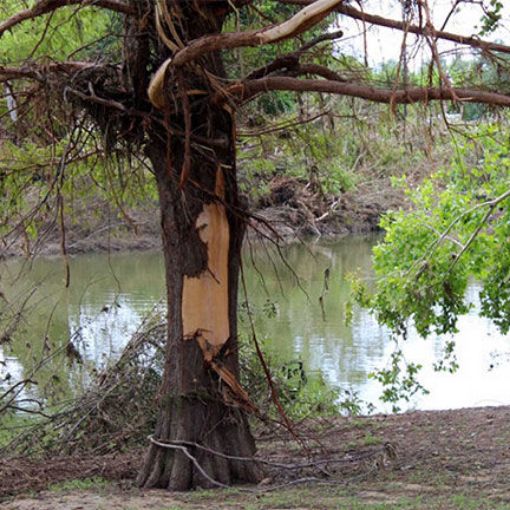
[{"x": 299, "y": 313}]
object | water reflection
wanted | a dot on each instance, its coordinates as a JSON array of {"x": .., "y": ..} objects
[{"x": 299, "y": 318}]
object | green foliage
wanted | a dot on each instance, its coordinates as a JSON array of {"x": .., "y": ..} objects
[
  {"x": 400, "y": 383},
  {"x": 481, "y": 72},
  {"x": 458, "y": 229},
  {"x": 34, "y": 175},
  {"x": 493, "y": 14},
  {"x": 302, "y": 394},
  {"x": 82, "y": 33},
  {"x": 11, "y": 424},
  {"x": 309, "y": 153},
  {"x": 331, "y": 156},
  {"x": 95, "y": 483}
]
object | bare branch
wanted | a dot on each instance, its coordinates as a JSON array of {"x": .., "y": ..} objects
[
  {"x": 108, "y": 103},
  {"x": 45, "y": 6},
  {"x": 250, "y": 88},
  {"x": 18, "y": 73},
  {"x": 292, "y": 59},
  {"x": 301, "y": 21},
  {"x": 375, "y": 19},
  {"x": 320, "y": 70},
  {"x": 40, "y": 72}
]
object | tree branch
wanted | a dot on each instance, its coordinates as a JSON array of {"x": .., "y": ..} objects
[
  {"x": 374, "y": 19},
  {"x": 40, "y": 72},
  {"x": 45, "y": 6},
  {"x": 248, "y": 89},
  {"x": 301, "y": 21},
  {"x": 291, "y": 59},
  {"x": 320, "y": 70},
  {"x": 18, "y": 73}
]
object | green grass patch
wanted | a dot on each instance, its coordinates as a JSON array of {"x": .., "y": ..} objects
[{"x": 96, "y": 482}]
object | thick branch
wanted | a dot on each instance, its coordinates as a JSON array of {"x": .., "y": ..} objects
[
  {"x": 301, "y": 21},
  {"x": 45, "y": 6},
  {"x": 319, "y": 70},
  {"x": 374, "y": 19},
  {"x": 250, "y": 88},
  {"x": 16, "y": 73}
]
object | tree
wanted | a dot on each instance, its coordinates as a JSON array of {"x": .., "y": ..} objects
[
  {"x": 458, "y": 229},
  {"x": 172, "y": 97}
]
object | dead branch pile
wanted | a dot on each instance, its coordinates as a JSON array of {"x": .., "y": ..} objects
[
  {"x": 118, "y": 409},
  {"x": 103, "y": 432}
]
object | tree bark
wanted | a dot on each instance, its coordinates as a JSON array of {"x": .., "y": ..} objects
[{"x": 202, "y": 228}]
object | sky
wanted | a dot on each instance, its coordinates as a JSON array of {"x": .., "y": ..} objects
[{"x": 384, "y": 44}]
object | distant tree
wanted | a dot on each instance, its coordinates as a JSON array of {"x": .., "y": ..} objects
[{"x": 160, "y": 89}]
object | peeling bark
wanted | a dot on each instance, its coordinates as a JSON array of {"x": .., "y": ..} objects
[{"x": 300, "y": 22}]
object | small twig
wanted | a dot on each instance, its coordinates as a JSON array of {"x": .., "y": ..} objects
[{"x": 95, "y": 99}]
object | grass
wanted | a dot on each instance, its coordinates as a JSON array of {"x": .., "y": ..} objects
[
  {"x": 93, "y": 483},
  {"x": 373, "y": 495},
  {"x": 11, "y": 425},
  {"x": 370, "y": 440},
  {"x": 337, "y": 498}
]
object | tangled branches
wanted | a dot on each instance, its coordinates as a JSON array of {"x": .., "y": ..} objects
[{"x": 117, "y": 410}]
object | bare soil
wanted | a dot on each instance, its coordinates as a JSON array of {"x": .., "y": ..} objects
[{"x": 458, "y": 459}]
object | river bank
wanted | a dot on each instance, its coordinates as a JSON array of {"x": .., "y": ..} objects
[
  {"x": 290, "y": 212},
  {"x": 457, "y": 459}
]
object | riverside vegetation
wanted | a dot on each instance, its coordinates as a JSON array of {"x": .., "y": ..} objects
[
  {"x": 325, "y": 166},
  {"x": 405, "y": 483}
]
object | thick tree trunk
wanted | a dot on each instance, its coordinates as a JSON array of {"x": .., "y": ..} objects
[{"x": 201, "y": 401}]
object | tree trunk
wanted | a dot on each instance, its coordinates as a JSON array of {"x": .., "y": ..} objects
[{"x": 202, "y": 226}]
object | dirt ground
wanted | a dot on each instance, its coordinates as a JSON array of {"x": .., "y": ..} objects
[{"x": 422, "y": 460}]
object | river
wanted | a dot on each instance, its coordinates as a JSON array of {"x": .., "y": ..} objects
[{"x": 110, "y": 294}]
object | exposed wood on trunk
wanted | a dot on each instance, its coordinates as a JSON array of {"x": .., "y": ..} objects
[
  {"x": 205, "y": 297},
  {"x": 201, "y": 399}
]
